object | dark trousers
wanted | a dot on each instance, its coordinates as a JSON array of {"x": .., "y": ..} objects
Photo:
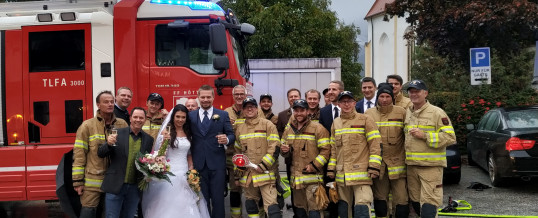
[{"x": 213, "y": 190}]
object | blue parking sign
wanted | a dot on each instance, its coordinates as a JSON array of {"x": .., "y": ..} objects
[{"x": 480, "y": 57}]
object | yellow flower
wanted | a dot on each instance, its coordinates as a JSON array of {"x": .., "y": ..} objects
[{"x": 191, "y": 176}]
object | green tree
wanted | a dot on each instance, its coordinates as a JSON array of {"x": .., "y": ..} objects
[{"x": 300, "y": 29}]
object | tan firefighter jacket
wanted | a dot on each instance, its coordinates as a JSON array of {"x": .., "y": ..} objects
[
  {"x": 389, "y": 120},
  {"x": 439, "y": 133},
  {"x": 315, "y": 116},
  {"x": 257, "y": 138},
  {"x": 402, "y": 101},
  {"x": 270, "y": 116},
  {"x": 356, "y": 149},
  {"x": 88, "y": 168},
  {"x": 153, "y": 124},
  {"x": 309, "y": 145}
]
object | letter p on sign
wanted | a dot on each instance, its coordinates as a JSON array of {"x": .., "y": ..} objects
[{"x": 480, "y": 57}]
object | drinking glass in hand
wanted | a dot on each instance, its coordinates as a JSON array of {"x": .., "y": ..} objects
[
  {"x": 219, "y": 133},
  {"x": 114, "y": 132}
]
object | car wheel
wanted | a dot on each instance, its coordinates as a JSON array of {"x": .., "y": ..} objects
[
  {"x": 493, "y": 171},
  {"x": 452, "y": 178}
]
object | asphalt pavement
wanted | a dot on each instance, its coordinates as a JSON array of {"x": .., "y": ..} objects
[{"x": 518, "y": 199}]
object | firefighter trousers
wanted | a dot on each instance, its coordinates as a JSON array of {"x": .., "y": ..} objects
[
  {"x": 235, "y": 196},
  {"x": 425, "y": 184},
  {"x": 361, "y": 193},
  {"x": 90, "y": 198},
  {"x": 305, "y": 198},
  {"x": 267, "y": 192},
  {"x": 398, "y": 187}
]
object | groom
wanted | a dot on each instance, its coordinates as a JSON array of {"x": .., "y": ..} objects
[{"x": 211, "y": 133}]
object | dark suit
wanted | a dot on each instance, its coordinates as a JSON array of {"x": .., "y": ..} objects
[
  {"x": 360, "y": 106},
  {"x": 209, "y": 158},
  {"x": 326, "y": 117},
  {"x": 115, "y": 174}
]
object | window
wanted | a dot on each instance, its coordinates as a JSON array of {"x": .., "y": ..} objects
[
  {"x": 482, "y": 123},
  {"x": 522, "y": 119},
  {"x": 56, "y": 50},
  {"x": 73, "y": 115},
  {"x": 41, "y": 112},
  {"x": 239, "y": 56},
  {"x": 493, "y": 122},
  {"x": 189, "y": 47}
]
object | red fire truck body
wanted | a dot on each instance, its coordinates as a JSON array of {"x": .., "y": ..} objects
[{"x": 56, "y": 56}]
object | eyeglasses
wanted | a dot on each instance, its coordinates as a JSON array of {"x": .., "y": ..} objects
[
  {"x": 347, "y": 102},
  {"x": 239, "y": 94}
]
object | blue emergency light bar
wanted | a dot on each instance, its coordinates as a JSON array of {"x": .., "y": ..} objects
[{"x": 194, "y": 5}]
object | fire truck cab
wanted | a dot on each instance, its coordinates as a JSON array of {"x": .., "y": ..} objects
[{"x": 57, "y": 55}]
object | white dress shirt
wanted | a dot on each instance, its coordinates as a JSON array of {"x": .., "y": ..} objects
[
  {"x": 365, "y": 104},
  {"x": 209, "y": 113},
  {"x": 339, "y": 110}
]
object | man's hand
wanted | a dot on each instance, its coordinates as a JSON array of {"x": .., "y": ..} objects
[
  {"x": 417, "y": 133},
  {"x": 111, "y": 140},
  {"x": 237, "y": 183},
  {"x": 373, "y": 173},
  {"x": 79, "y": 189},
  {"x": 330, "y": 176},
  {"x": 164, "y": 112},
  {"x": 222, "y": 139},
  {"x": 309, "y": 168},
  {"x": 258, "y": 169},
  {"x": 285, "y": 148}
]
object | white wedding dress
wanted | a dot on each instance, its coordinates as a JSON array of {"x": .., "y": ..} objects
[{"x": 162, "y": 199}]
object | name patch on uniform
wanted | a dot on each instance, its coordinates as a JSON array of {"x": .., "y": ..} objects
[
  {"x": 400, "y": 120},
  {"x": 262, "y": 131},
  {"x": 308, "y": 133},
  {"x": 445, "y": 121},
  {"x": 357, "y": 126}
]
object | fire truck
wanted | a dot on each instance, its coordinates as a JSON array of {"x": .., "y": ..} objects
[{"x": 56, "y": 56}]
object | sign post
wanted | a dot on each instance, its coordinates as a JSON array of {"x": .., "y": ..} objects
[{"x": 480, "y": 66}]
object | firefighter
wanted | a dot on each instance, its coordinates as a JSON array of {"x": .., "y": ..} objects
[
  {"x": 313, "y": 97},
  {"x": 257, "y": 138},
  {"x": 389, "y": 119},
  {"x": 427, "y": 133},
  {"x": 355, "y": 157},
  {"x": 399, "y": 99},
  {"x": 309, "y": 144},
  {"x": 266, "y": 102},
  {"x": 155, "y": 115},
  {"x": 88, "y": 168}
]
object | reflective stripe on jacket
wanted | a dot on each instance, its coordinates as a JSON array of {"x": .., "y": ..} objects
[
  {"x": 356, "y": 148},
  {"x": 389, "y": 120},
  {"x": 153, "y": 124},
  {"x": 438, "y": 131},
  {"x": 257, "y": 138},
  {"x": 88, "y": 168},
  {"x": 309, "y": 145}
]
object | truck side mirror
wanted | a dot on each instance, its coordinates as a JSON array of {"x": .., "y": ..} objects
[
  {"x": 248, "y": 29},
  {"x": 217, "y": 36},
  {"x": 470, "y": 126},
  {"x": 221, "y": 63}
]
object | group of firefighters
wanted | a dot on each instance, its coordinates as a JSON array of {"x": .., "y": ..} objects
[
  {"x": 397, "y": 146},
  {"x": 388, "y": 149}
]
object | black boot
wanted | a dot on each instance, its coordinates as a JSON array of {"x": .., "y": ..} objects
[
  {"x": 274, "y": 211},
  {"x": 314, "y": 214},
  {"x": 402, "y": 211},
  {"x": 416, "y": 207},
  {"x": 88, "y": 212},
  {"x": 428, "y": 211},
  {"x": 380, "y": 207},
  {"x": 342, "y": 209},
  {"x": 361, "y": 211}
]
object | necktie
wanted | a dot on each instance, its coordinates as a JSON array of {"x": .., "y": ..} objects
[
  {"x": 336, "y": 113},
  {"x": 205, "y": 122},
  {"x": 369, "y": 103}
]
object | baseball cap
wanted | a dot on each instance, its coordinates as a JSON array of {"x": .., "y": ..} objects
[
  {"x": 300, "y": 103},
  {"x": 266, "y": 96},
  {"x": 250, "y": 100},
  {"x": 156, "y": 97},
  {"x": 345, "y": 93},
  {"x": 325, "y": 91},
  {"x": 417, "y": 84}
]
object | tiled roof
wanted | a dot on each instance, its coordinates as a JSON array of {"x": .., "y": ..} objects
[{"x": 377, "y": 8}]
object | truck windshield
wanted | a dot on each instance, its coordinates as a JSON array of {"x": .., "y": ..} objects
[{"x": 189, "y": 47}]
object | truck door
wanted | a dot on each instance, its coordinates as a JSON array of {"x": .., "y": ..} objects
[{"x": 57, "y": 67}]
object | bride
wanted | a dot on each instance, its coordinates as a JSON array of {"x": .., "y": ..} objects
[{"x": 162, "y": 199}]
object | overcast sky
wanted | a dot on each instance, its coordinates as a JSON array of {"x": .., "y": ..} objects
[{"x": 353, "y": 11}]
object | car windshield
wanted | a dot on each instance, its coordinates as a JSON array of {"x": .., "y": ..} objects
[{"x": 522, "y": 119}]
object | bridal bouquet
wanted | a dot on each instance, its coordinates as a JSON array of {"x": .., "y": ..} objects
[
  {"x": 193, "y": 178},
  {"x": 154, "y": 166}
]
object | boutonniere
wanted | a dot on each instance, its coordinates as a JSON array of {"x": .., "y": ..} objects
[{"x": 215, "y": 117}]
